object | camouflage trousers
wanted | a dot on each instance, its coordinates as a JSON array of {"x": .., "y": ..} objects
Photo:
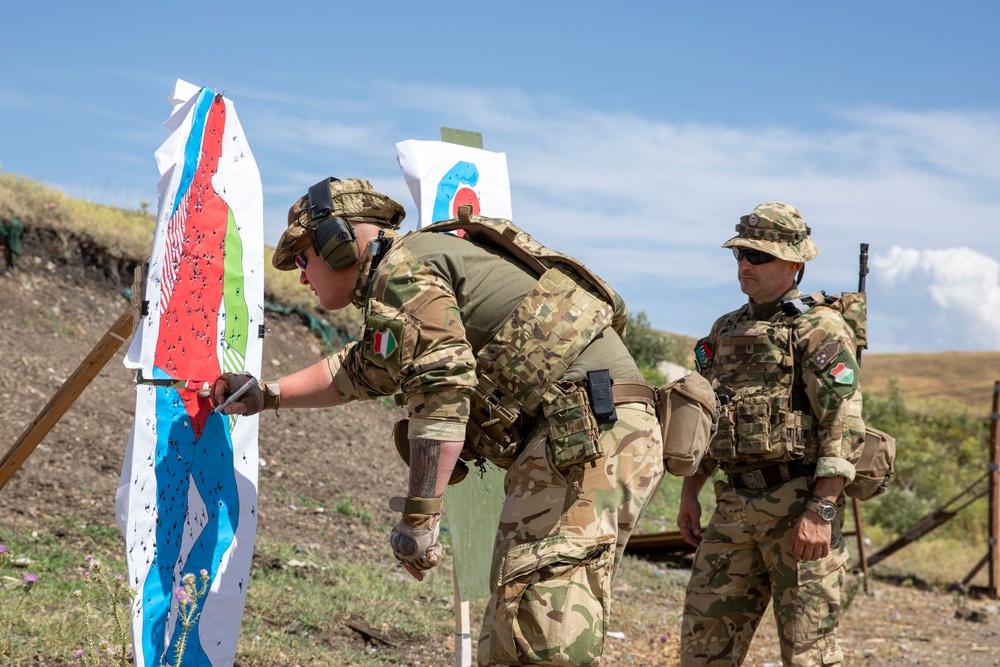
[
  {"x": 744, "y": 562},
  {"x": 560, "y": 541}
]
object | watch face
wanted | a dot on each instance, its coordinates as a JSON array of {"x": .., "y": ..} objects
[{"x": 826, "y": 512}]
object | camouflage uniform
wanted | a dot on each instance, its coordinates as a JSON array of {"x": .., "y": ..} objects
[
  {"x": 789, "y": 388},
  {"x": 431, "y": 306}
]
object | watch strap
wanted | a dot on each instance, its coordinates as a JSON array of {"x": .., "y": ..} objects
[{"x": 824, "y": 508}]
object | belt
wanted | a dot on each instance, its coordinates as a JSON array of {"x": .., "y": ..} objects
[
  {"x": 634, "y": 391},
  {"x": 761, "y": 478}
]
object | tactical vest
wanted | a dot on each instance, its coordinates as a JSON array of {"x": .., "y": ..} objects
[
  {"x": 765, "y": 413},
  {"x": 519, "y": 368},
  {"x": 753, "y": 364}
]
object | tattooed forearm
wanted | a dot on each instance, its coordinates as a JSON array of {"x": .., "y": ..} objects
[{"x": 424, "y": 458}]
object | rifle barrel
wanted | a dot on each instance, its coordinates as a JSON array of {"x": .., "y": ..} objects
[{"x": 862, "y": 267}]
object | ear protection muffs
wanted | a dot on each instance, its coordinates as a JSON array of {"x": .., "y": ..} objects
[{"x": 333, "y": 237}]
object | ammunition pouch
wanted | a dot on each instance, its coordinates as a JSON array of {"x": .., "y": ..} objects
[
  {"x": 751, "y": 425},
  {"x": 573, "y": 436}
]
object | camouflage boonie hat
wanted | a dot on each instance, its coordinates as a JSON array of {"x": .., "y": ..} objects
[
  {"x": 777, "y": 229},
  {"x": 353, "y": 198}
]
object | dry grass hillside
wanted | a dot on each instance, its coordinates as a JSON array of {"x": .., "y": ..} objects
[{"x": 967, "y": 378}]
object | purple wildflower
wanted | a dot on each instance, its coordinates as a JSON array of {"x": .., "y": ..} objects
[
  {"x": 182, "y": 595},
  {"x": 78, "y": 654},
  {"x": 3, "y": 548},
  {"x": 31, "y": 578}
]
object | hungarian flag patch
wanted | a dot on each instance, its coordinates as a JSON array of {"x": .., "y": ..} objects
[
  {"x": 842, "y": 374},
  {"x": 384, "y": 343}
]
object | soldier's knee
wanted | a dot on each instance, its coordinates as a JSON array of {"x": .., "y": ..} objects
[{"x": 551, "y": 613}]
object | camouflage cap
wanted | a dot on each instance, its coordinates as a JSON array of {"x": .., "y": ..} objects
[
  {"x": 777, "y": 229},
  {"x": 353, "y": 198}
]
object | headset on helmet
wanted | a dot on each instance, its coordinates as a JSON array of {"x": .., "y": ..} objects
[{"x": 333, "y": 237}]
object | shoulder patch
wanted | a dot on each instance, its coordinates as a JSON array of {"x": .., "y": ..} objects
[
  {"x": 703, "y": 355},
  {"x": 836, "y": 369},
  {"x": 382, "y": 341},
  {"x": 825, "y": 354}
]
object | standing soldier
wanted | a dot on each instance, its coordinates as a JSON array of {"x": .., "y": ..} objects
[
  {"x": 785, "y": 371},
  {"x": 505, "y": 351}
]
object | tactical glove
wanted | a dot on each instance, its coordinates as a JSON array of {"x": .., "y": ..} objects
[
  {"x": 257, "y": 397},
  {"x": 414, "y": 539}
]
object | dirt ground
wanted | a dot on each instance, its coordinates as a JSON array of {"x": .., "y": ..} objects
[{"x": 58, "y": 300}]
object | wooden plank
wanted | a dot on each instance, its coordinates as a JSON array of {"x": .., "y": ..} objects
[
  {"x": 65, "y": 396},
  {"x": 658, "y": 543}
]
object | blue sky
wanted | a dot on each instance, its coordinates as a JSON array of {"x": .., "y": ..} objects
[{"x": 636, "y": 134}]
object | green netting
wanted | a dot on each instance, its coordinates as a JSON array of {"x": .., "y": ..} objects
[
  {"x": 11, "y": 233},
  {"x": 333, "y": 336}
]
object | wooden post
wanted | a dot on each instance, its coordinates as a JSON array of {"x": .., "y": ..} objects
[
  {"x": 65, "y": 396},
  {"x": 994, "y": 494},
  {"x": 74, "y": 385},
  {"x": 463, "y": 636},
  {"x": 862, "y": 557}
]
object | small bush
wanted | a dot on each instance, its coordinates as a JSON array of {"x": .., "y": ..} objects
[
  {"x": 941, "y": 452},
  {"x": 649, "y": 347}
]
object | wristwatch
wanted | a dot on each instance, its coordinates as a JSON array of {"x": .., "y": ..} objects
[{"x": 826, "y": 511}]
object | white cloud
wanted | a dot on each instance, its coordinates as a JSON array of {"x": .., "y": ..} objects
[{"x": 936, "y": 299}]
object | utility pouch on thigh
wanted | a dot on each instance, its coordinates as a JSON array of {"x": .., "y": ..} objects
[
  {"x": 573, "y": 435},
  {"x": 553, "y": 600}
]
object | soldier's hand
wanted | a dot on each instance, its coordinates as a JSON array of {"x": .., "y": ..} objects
[
  {"x": 255, "y": 397},
  {"x": 689, "y": 520},
  {"x": 414, "y": 539},
  {"x": 811, "y": 538}
]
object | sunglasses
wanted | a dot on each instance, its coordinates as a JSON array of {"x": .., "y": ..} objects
[
  {"x": 300, "y": 260},
  {"x": 755, "y": 257}
]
